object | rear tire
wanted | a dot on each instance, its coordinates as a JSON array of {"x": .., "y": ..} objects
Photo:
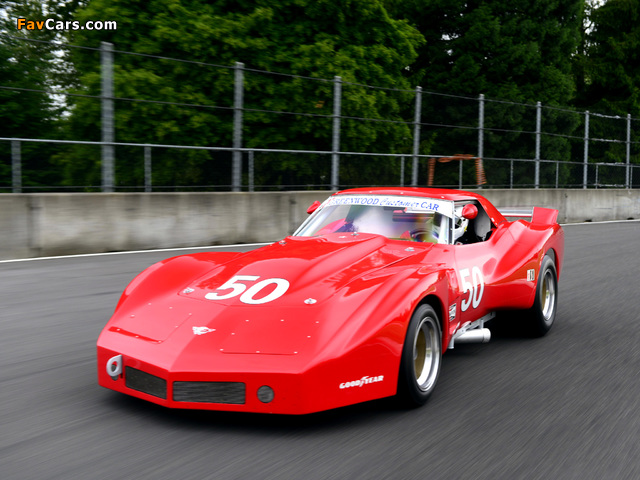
[
  {"x": 421, "y": 357},
  {"x": 543, "y": 312}
]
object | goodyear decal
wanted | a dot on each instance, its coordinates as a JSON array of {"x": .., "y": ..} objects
[{"x": 366, "y": 380}]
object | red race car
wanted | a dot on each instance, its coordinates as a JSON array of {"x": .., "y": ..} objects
[{"x": 359, "y": 303}]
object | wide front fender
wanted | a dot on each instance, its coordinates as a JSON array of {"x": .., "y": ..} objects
[
  {"x": 170, "y": 276},
  {"x": 375, "y": 312}
]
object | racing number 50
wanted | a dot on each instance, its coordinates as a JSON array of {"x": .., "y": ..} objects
[
  {"x": 475, "y": 287},
  {"x": 248, "y": 295}
]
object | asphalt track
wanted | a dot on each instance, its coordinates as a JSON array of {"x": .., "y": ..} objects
[{"x": 566, "y": 406}]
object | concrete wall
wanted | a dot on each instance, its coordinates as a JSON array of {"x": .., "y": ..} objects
[
  {"x": 573, "y": 205},
  {"x": 34, "y": 225}
]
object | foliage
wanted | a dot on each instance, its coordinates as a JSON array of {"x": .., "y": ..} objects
[
  {"x": 612, "y": 69},
  {"x": 578, "y": 54},
  {"x": 518, "y": 51},
  {"x": 611, "y": 75},
  {"x": 355, "y": 40},
  {"x": 26, "y": 66}
]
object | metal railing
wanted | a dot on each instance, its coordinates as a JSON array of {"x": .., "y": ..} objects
[
  {"x": 596, "y": 175},
  {"x": 435, "y": 119}
]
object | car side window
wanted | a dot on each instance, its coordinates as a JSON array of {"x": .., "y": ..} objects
[{"x": 476, "y": 230}]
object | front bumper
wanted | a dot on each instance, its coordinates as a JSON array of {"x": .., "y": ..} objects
[{"x": 246, "y": 391}]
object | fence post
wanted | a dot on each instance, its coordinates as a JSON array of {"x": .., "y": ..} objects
[
  {"x": 402, "y": 171},
  {"x": 628, "y": 177},
  {"x": 511, "y": 174},
  {"x": 416, "y": 138},
  {"x": 16, "y": 166},
  {"x": 335, "y": 143},
  {"x": 586, "y": 149},
  {"x": 480, "y": 135},
  {"x": 251, "y": 171},
  {"x": 238, "y": 105},
  {"x": 538, "y": 128},
  {"x": 147, "y": 169},
  {"x": 106, "y": 63}
]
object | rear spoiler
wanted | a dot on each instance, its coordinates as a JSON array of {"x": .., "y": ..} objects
[
  {"x": 538, "y": 215},
  {"x": 511, "y": 212}
]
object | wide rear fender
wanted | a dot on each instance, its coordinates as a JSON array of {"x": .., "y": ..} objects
[
  {"x": 540, "y": 238},
  {"x": 555, "y": 243},
  {"x": 550, "y": 237}
]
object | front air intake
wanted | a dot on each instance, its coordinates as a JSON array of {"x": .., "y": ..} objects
[
  {"x": 209, "y": 392},
  {"x": 145, "y": 382}
]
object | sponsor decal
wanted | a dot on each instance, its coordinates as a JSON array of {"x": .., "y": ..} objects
[
  {"x": 366, "y": 380},
  {"x": 410, "y": 203},
  {"x": 531, "y": 275},
  {"x": 202, "y": 330}
]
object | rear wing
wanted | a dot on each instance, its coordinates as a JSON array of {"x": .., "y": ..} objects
[
  {"x": 516, "y": 212},
  {"x": 538, "y": 215}
]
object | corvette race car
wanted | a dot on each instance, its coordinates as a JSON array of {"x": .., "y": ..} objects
[{"x": 360, "y": 303}]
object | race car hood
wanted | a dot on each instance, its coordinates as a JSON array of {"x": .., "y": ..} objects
[
  {"x": 302, "y": 268},
  {"x": 273, "y": 300}
]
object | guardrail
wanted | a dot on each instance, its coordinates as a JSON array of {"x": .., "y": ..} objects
[{"x": 530, "y": 152}]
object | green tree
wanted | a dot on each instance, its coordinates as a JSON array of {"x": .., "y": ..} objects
[
  {"x": 519, "y": 51},
  {"x": 612, "y": 66},
  {"x": 294, "y": 39},
  {"x": 611, "y": 78},
  {"x": 26, "y": 69}
]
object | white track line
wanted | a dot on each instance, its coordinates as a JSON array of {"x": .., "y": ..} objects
[
  {"x": 601, "y": 222},
  {"x": 104, "y": 254}
]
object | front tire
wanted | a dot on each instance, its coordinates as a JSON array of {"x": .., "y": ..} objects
[
  {"x": 421, "y": 357},
  {"x": 543, "y": 313}
]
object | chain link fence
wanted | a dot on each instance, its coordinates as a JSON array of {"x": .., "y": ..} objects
[{"x": 516, "y": 145}]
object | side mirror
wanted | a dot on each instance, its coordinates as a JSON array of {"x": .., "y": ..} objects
[
  {"x": 470, "y": 211},
  {"x": 314, "y": 206}
]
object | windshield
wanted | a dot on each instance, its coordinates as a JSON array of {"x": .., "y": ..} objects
[{"x": 396, "y": 217}]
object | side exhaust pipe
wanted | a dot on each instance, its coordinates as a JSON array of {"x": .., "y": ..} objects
[
  {"x": 473, "y": 332},
  {"x": 477, "y": 335}
]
